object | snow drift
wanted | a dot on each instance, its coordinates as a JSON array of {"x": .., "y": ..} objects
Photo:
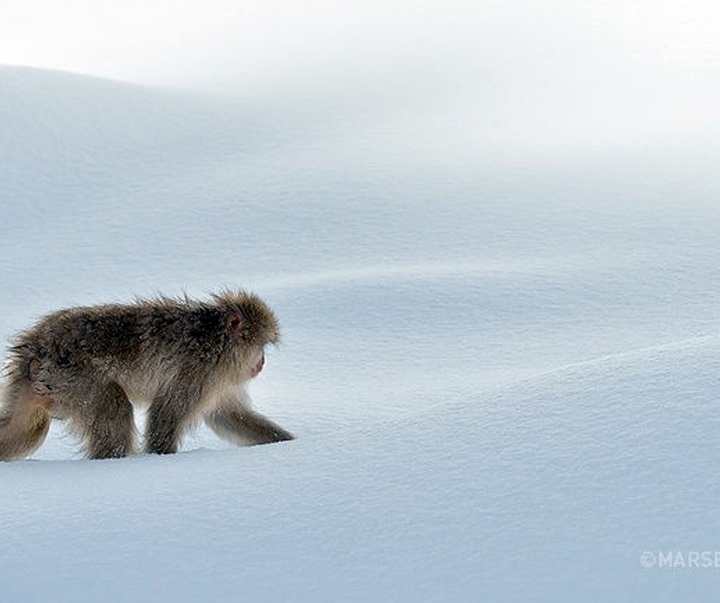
[{"x": 502, "y": 370}]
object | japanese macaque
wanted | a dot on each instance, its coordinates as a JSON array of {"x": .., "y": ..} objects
[{"x": 187, "y": 359}]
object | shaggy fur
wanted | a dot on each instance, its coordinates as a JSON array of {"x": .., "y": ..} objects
[{"x": 185, "y": 358}]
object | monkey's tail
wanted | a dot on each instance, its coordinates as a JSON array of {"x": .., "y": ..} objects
[{"x": 24, "y": 421}]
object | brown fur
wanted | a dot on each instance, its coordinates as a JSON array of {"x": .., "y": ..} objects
[{"x": 187, "y": 359}]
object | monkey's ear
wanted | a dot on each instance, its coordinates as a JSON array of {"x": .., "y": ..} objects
[{"x": 234, "y": 323}]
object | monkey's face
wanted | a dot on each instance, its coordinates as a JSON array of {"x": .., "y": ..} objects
[
  {"x": 250, "y": 326},
  {"x": 249, "y": 361}
]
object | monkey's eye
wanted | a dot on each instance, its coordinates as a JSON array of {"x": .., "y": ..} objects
[{"x": 234, "y": 323}]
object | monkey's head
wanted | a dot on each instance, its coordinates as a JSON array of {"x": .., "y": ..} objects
[{"x": 250, "y": 326}]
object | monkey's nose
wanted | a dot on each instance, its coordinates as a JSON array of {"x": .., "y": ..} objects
[{"x": 259, "y": 366}]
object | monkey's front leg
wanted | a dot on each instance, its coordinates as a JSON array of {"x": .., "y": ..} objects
[
  {"x": 169, "y": 415},
  {"x": 234, "y": 421}
]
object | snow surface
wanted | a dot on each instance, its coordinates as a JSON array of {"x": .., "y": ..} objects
[{"x": 502, "y": 367}]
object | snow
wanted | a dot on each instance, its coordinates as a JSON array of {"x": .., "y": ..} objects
[{"x": 502, "y": 367}]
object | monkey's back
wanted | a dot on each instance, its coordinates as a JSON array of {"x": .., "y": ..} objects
[{"x": 117, "y": 337}]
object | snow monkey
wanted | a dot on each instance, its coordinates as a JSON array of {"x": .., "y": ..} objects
[{"x": 188, "y": 359}]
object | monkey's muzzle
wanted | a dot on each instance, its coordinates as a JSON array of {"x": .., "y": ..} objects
[{"x": 258, "y": 367}]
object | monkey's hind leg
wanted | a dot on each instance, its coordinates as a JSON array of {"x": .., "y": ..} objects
[
  {"x": 24, "y": 421},
  {"x": 106, "y": 423},
  {"x": 237, "y": 423}
]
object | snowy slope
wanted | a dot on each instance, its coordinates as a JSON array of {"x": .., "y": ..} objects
[{"x": 501, "y": 368}]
